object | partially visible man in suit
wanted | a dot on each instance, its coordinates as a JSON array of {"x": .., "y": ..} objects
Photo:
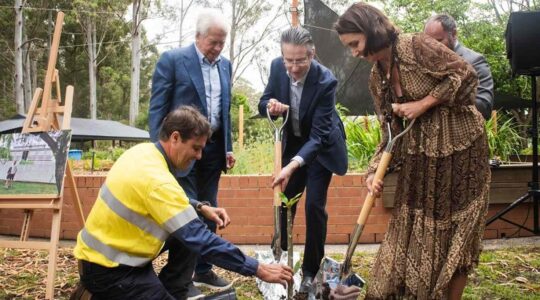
[
  {"x": 314, "y": 138},
  {"x": 443, "y": 28},
  {"x": 196, "y": 75}
]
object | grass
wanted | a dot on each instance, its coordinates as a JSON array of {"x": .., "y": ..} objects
[
  {"x": 28, "y": 188},
  {"x": 512, "y": 273}
]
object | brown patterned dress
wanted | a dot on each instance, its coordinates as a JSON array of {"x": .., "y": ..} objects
[{"x": 442, "y": 195}]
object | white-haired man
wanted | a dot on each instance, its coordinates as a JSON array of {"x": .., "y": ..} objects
[{"x": 196, "y": 75}]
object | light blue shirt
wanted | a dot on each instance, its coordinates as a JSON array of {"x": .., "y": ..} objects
[
  {"x": 212, "y": 88},
  {"x": 296, "y": 89}
]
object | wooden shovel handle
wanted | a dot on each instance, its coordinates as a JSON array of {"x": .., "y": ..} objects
[{"x": 370, "y": 199}]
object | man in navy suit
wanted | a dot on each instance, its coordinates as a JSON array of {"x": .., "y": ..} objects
[
  {"x": 196, "y": 75},
  {"x": 313, "y": 141}
]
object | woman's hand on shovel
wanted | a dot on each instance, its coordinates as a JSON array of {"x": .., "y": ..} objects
[
  {"x": 285, "y": 174},
  {"x": 275, "y": 273},
  {"x": 374, "y": 188}
]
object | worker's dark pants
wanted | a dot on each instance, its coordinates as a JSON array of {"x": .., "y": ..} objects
[{"x": 122, "y": 282}]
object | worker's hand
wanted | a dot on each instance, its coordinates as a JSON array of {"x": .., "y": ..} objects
[
  {"x": 216, "y": 214},
  {"x": 374, "y": 188},
  {"x": 275, "y": 273},
  {"x": 285, "y": 174},
  {"x": 230, "y": 160},
  {"x": 276, "y": 108}
]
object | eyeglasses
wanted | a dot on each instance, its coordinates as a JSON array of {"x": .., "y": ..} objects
[{"x": 296, "y": 62}]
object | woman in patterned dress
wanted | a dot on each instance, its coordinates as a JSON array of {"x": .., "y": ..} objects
[{"x": 434, "y": 236}]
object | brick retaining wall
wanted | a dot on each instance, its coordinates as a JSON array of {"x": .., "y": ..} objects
[{"x": 248, "y": 200}]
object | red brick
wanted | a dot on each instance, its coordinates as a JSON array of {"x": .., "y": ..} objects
[
  {"x": 349, "y": 192},
  {"x": 243, "y": 182},
  {"x": 337, "y": 238},
  {"x": 264, "y": 181},
  {"x": 348, "y": 181},
  {"x": 226, "y": 194},
  {"x": 234, "y": 181},
  {"x": 358, "y": 180},
  {"x": 490, "y": 234},
  {"x": 375, "y": 228},
  {"x": 337, "y": 181},
  {"x": 260, "y": 220},
  {"x": 379, "y": 237},
  {"x": 259, "y": 239},
  {"x": 224, "y": 182}
]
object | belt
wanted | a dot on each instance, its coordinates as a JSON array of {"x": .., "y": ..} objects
[{"x": 216, "y": 136}]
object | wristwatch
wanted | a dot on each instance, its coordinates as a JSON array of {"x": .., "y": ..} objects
[{"x": 199, "y": 206}]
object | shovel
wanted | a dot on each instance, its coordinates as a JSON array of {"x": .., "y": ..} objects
[
  {"x": 278, "y": 134},
  {"x": 345, "y": 271}
]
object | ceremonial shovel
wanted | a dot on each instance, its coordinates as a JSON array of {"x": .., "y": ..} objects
[
  {"x": 346, "y": 278},
  {"x": 278, "y": 134}
]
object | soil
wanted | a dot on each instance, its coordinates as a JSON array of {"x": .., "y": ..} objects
[{"x": 300, "y": 296}]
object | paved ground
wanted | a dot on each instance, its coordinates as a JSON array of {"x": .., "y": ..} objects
[{"x": 371, "y": 248}]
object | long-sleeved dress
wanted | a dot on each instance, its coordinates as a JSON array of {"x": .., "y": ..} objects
[{"x": 442, "y": 194}]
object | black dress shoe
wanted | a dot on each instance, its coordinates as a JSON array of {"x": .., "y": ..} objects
[{"x": 306, "y": 285}]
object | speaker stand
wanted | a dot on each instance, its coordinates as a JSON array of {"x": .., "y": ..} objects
[{"x": 534, "y": 187}]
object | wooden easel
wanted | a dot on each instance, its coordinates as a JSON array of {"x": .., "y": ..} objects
[{"x": 41, "y": 119}]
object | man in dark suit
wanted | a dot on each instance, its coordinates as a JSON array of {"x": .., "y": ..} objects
[
  {"x": 314, "y": 138},
  {"x": 443, "y": 28},
  {"x": 196, "y": 75}
]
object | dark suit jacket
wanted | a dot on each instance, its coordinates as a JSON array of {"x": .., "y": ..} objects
[
  {"x": 323, "y": 136},
  {"x": 177, "y": 81},
  {"x": 484, "y": 96}
]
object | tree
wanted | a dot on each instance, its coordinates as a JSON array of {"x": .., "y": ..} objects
[
  {"x": 252, "y": 23},
  {"x": 18, "y": 40},
  {"x": 96, "y": 27},
  {"x": 135, "y": 61}
]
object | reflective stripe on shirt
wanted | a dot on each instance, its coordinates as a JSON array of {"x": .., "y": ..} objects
[
  {"x": 134, "y": 218},
  {"x": 113, "y": 254},
  {"x": 180, "y": 219}
]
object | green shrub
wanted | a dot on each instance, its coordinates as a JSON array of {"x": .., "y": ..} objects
[
  {"x": 505, "y": 140},
  {"x": 363, "y": 136}
]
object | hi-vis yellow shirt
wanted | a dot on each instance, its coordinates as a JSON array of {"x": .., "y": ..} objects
[{"x": 138, "y": 207}]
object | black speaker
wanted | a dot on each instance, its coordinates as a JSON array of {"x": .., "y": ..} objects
[{"x": 523, "y": 42}]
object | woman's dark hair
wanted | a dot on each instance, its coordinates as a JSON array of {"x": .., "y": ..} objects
[
  {"x": 368, "y": 20},
  {"x": 188, "y": 121}
]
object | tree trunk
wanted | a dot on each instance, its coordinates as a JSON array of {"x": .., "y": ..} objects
[
  {"x": 234, "y": 22},
  {"x": 135, "y": 64},
  {"x": 27, "y": 77},
  {"x": 181, "y": 29},
  {"x": 34, "y": 73},
  {"x": 92, "y": 67},
  {"x": 19, "y": 88}
]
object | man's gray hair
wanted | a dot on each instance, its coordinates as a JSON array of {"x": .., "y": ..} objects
[
  {"x": 298, "y": 36},
  {"x": 210, "y": 18},
  {"x": 448, "y": 23}
]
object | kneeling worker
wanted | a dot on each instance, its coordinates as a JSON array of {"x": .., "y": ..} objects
[{"x": 141, "y": 204}]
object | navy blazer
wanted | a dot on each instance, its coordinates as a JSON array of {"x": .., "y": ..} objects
[
  {"x": 323, "y": 135},
  {"x": 177, "y": 81}
]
